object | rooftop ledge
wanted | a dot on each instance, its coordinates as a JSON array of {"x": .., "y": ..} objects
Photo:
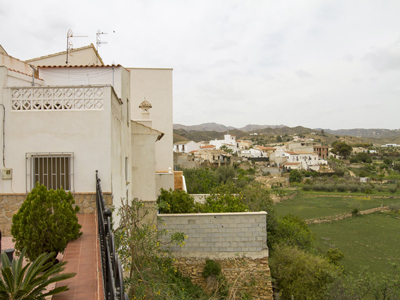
[{"x": 214, "y": 214}]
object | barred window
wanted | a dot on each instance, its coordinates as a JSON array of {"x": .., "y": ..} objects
[{"x": 53, "y": 170}]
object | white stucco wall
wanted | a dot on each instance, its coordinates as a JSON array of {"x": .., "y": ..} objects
[
  {"x": 77, "y": 57},
  {"x": 86, "y": 133},
  {"x": 156, "y": 86}
]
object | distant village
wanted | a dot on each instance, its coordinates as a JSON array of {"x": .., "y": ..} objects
[{"x": 300, "y": 154}]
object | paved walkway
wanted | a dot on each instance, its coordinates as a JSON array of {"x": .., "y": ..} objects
[{"x": 83, "y": 259}]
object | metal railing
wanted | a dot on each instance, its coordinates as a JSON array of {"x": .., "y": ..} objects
[{"x": 113, "y": 281}]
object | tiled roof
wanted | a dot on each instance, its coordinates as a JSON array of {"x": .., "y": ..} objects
[
  {"x": 291, "y": 152},
  {"x": 207, "y": 147},
  {"x": 80, "y": 66}
]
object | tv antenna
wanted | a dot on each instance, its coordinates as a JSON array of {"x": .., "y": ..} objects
[
  {"x": 70, "y": 35},
  {"x": 98, "y": 41}
]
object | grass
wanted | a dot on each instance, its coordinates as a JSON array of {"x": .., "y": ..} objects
[
  {"x": 370, "y": 240},
  {"x": 309, "y": 206}
]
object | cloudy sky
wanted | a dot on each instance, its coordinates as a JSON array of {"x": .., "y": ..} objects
[{"x": 319, "y": 64}]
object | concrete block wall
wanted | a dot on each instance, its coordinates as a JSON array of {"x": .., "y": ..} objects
[{"x": 218, "y": 232}]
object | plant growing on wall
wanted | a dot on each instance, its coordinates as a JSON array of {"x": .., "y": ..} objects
[
  {"x": 31, "y": 281},
  {"x": 149, "y": 265},
  {"x": 46, "y": 222}
]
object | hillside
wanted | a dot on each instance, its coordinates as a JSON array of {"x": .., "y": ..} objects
[{"x": 265, "y": 134}]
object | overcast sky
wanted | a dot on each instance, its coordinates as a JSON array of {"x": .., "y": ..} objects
[{"x": 318, "y": 64}]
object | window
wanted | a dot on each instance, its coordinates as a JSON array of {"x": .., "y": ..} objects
[{"x": 53, "y": 170}]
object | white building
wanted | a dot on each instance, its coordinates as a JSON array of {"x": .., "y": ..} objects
[
  {"x": 229, "y": 141},
  {"x": 252, "y": 153},
  {"x": 64, "y": 122},
  {"x": 186, "y": 146}
]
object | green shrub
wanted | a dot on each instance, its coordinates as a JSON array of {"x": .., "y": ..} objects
[
  {"x": 342, "y": 187},
  {"x": 295, "y": 176},
  {"x": 299, "y": 274},
  {"x": 392, "y": 188},
  {"x": 355, "y": 212},
  {"x": 200, "y": 181},
  {"x": 292, "y": 230},
  {"x": 395, "y": 207},
  {"x": 307, "y": 187},
  {"x": 334, "y": 255},
  {"x": 211, "y": 268},
  {"x": 353, "y": 188},
  {"x": 46, "y": 222},
  {"x": 223, "y": 199},
  {"x": 175, "y": 202},
  {"x": 31, "y": 281}
]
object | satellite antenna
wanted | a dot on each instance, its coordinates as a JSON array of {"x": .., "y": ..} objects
[{"x": 70, "y": 34}]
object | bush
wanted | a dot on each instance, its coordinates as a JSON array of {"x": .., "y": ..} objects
[
  {"x": 295, "y": 176},
  {"x": 353, "y": 188},
  {"x": 300, "y": 275},
  {"x": 395, "y": 207},
  {"x": 334, "y": 255},
  {"x": 200, "y": 181},
  {"x": 223, "y": 199},
  {"x": 342, "y": 187},
  {"x": 294, "y": 231},
  {"x": 175, "y": 202},
  {"x": 392, "y": 188},
  {"x": 307, "y": 187},
  {"x": 46, "y": 222},
  {"x": 355, "y": 212},
  {"x": 148, "y": 263},
  {"x": 211, "y": 268}
]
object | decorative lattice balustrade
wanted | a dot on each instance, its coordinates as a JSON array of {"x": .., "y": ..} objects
[{"x": 57, "y": 98}]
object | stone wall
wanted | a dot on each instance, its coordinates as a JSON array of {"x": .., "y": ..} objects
[
  {"x": 10, "y": 204},
  {"x": 243, "y": 275},
  {"x": 219, "y": 232}
]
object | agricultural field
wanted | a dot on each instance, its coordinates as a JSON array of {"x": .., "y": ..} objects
[
  {"x": 311, "y": 206},
  {"x": 368, "y": 240}
]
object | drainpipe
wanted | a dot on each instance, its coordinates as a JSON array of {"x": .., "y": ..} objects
[{"x": 33, "y": 74}]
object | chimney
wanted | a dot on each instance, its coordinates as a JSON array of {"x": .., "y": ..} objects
[{"x": 145, "y": 106}]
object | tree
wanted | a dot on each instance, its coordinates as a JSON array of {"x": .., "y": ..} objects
[
  {"x": 225, "y": 174},
  {"x": 200, "y": 181},
  {"x": 295, "y": 176},
  {"x": 341, "y": 148},
  {"x": 175, "y": 201},
  {"x": 279, "y": 139},
  {"x": 31, "y": 281},
  {"x": 366, "y": 285},
  {"x": 292, "y": 230},
  {"x": 300, "y": 275},
  {"x": 46, "y": 222},
  {"x": 226, "y": 149},
  {"x": 258, "y": 198}
]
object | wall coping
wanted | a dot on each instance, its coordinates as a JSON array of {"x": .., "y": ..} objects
[
  {"x": 222, "y": 255},
  {"x": 214, "y": 214}
]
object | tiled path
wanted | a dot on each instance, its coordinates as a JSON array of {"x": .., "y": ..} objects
[
  {"x": 82, "y": 255},
  {"x": 83, "y": 258}
]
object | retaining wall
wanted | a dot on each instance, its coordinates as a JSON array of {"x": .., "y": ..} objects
[
  {"x": 238, "y": 241},
  {"x": 10, "y": 204}
]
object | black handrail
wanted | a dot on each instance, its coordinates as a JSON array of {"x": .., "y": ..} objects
[{"x": 113, "y": 281}]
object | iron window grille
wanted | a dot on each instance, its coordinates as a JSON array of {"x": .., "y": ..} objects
[{"x": 53, "y": 170}]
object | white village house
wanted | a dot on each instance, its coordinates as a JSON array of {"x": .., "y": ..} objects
[{"x": 62, "y": 122}]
